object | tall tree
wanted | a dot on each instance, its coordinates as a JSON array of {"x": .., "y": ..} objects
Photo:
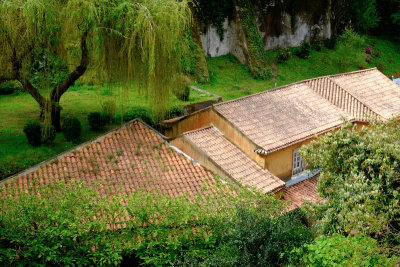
[{"x": 131, "y": 41}]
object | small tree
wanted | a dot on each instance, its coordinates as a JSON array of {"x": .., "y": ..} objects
[
  {"x": 360, "y": 180},
  {"x": 126, "y": 40}
]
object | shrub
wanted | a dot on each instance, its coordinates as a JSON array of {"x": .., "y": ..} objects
[
  {"x": 7, "y": 88},
  {"x": 331, "y": 42},
  {"x": 33, "y": 133},
  {"x": 72, "y": 129},
  {"x": 378, "y": 53},
  {"x": 264, "y": 74},
  {"x": 184, "y": 94},
  {"x": 96, "y": 121},
  {"x": 283, "y": 55},
  {"x": 174, "y": 112},
  {"x": 317, "y": 45},
  {"x": 140, "y": 113},
  {"x": 338, "y": 250},
  {"x": 182, "y": 90},
  {"x": 368, "y": 59},
  {"x": 260, "y": 240},
  {"x": 48, "y": 134},
  {"x": 304, "y": 50},
  {"x": 359, "y": 181},
  {"x": 109, "y": 108}
]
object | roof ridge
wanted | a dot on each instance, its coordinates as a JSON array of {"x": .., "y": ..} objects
[
  {"x": 197, "y": 130},
  {"x": 329, "y": 78},
  {"x": 290, "y": 84},
  {"x": 355, "y": 97},
  {"x": 259, "y": 93}
]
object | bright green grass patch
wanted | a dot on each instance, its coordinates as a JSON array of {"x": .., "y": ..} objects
[{"x": 231, "y": 79}]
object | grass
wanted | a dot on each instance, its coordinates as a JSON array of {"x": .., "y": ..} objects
[{"x": 229, "y": 79}]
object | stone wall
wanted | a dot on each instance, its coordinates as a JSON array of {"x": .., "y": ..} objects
[{"x": 276, "y": 27}]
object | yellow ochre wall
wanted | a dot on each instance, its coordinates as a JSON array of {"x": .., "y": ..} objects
[
  {"x": 280, "y": 162},
  {"x": 192, "y": 122}
]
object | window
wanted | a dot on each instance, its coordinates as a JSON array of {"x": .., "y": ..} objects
[{"x": 298, "y": 162}]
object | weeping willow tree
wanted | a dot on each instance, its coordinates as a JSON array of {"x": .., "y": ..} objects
[{"x": 136, "y": 42}]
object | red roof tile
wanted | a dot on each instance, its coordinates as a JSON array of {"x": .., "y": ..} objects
[
  {"x": 131, "y": 158},
  {"x": 304, "y": 190},
  {"x": 232, "y": 160}
]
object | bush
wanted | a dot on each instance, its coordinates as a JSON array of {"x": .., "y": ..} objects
[
  {"x": 33, "y": 133},
  {"x": 304, "y": 50},
  {"x": 72, "y": 129},
  {"x": 109, "y": 108},
  {"x": 317, "y": 45},
  {"x": 283, "y": 55},
  {"x": 260, "y": 240},
  {"x": 140, "y": 113},
  {"x": 338, "y": 250},
  {"x": 7, "y": 88},
  {"x": 183, "y": 95},
  {"x": 331, "y": 42},
  {"x": 182, "y": 90},
  {"x": 96, "y": 121},
  {"x": 48, "y": 134},
  {"x": 174, "y": 112},
  {"x": 264, "y": 74}
]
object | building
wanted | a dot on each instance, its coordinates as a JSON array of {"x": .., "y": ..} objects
[{"x": 263, "y": 132}]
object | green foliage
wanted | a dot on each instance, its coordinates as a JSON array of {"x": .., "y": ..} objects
[
  {"x": 141, "y": 113},
  {"x": 72, "y": 129},
  {"x": 283, "y": 55},
  {"x": 259, "y": 240},
  {"x": 32, "y": 131},
  {"x": 137, "y": 42},
  {"x": 360, "y": 181},
  {"x": 214, "y": 13},
  {"x": 173, "y": 112},
  {"x": 331, "y": 42},
  {"x": 255, "y": 45},
  {"x": 96, "y": 121},
  {"x": 338, "y": 250},
  {"x": 61, "y": 226},
  {"x": 7, "y": 88},
  {"x": 109, "y": 107},
  {"x": 304, "y": 50},
  {"x": 70, "y": 224},
  {"x": 48, "y": 133},
  {"x": 365, "y": 14},
  {"x": 348, "y": 41},
  {"x": 182, "y": 85}
]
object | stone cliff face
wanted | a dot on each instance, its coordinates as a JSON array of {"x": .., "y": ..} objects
[{"x": 277, "y": 28}]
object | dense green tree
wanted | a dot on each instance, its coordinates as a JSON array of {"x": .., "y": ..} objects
[
  {"x": 360, "y": 181},
  {"x": 138, "y": 42}
]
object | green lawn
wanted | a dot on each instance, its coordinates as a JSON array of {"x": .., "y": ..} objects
[{"x": 229, "y": 79}]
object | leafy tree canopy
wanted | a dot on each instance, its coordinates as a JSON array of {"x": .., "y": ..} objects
[
  {"x": 138, "y": 42},
  {"x": 360, "y": 180}
]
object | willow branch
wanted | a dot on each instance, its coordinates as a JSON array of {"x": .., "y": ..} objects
[{"x": 60, "y": 89}]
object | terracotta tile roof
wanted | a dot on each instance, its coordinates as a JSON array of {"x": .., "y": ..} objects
[
  {"x": 374, "y": 89},
  {"x": 131, "y": 158},
  {"x": 279, "y": 117},
  {"x": 232, "y": 160},
  {"x": 341, "y": 98},
  {"x": 305, "y": 190}
]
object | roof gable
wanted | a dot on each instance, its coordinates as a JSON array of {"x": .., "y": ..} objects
[
  {"x": 235, "y": 163},
  {"x": 373, "y": 89},
  {"x": 131, "y": 158}
]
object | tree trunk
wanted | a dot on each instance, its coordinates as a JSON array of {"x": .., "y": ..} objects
[{"x": 55, "y": 116}]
